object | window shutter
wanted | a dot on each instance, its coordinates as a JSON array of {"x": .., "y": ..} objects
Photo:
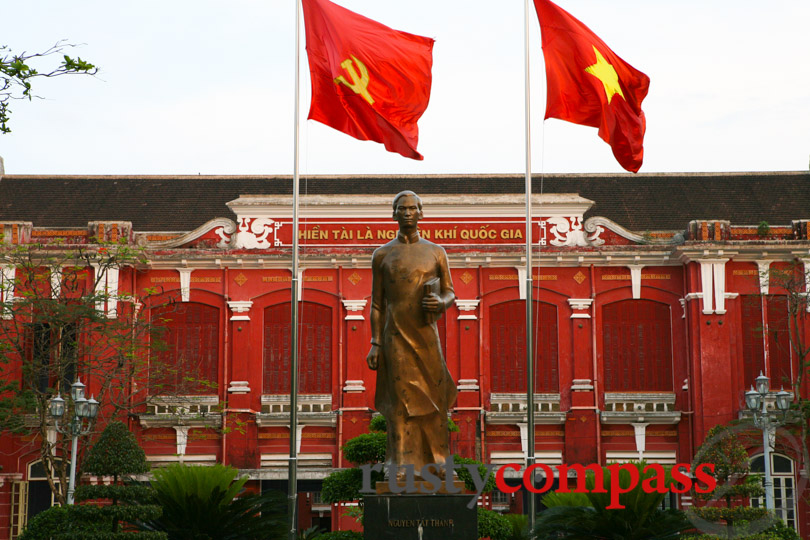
[
  {"x": 779, "y": 351},
  {"x": 637, "y": 346},
  {"x": 314, "y": 349},
  {"x": 508, "y": 347},
  {"x": 753, "y": 348}
]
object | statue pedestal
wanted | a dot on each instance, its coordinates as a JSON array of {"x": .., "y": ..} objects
[{"x": 419, "y": 517}]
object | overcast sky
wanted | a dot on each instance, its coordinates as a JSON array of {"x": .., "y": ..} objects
[{"x": 207, "y": 87}]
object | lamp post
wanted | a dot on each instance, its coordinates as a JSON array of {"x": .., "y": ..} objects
[
  {"x": 757, "y": 402},
  {"x": 82, "y": 409}
]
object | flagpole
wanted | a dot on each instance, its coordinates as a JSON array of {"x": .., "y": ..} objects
[
  {"x": 293, "y": 463},
  {"x": 530, "y": 458}
]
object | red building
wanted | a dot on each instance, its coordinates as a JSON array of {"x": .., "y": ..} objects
[{"x": 652, "y": 318}]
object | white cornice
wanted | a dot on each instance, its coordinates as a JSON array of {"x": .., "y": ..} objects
[{"x": 435, "y": 206}]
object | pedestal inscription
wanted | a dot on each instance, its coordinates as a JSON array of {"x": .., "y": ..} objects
[{"x": 419, "y": 517}]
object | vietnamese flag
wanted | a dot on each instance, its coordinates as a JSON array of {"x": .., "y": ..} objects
[
  {"x": 368, "y": 80},
  {"x": 589, "y": 84}
]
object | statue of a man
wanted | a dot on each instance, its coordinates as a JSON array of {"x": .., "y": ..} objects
[{"x": 411, "y": 288}]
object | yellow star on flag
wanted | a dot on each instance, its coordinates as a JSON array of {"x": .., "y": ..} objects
[{"x": 604, "y": 71}]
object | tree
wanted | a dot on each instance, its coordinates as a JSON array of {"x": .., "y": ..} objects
[
  {"x": 208, "y": 503},
  {"x": 793, "y": 280},
  {"x": 17, "y": 73},
  {"x": 116, "y": 454},
  {"x": 59, "y": 321},
  {"x": 729, "y": 515},
  {"x": 583, "y": 516}
]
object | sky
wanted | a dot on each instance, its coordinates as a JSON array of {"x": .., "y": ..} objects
[{"x": 207, "y": 87}]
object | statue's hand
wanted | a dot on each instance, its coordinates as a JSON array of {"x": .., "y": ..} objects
[
  {"x": 432, "y": 303},
  {"x": 373, "y": 358}
]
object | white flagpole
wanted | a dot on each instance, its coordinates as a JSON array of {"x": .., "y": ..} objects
[
  {"x": 530, "y": 458},
  {"x": 293, "y": 463}
]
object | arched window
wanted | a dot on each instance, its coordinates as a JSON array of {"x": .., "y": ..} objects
[
  {"x": 784, "y": 485},
  {"x": 753, "y": 343},
  {"x": 314, "y": 349},
  {"x": 185, "y": 353},
  {"x": 637, "y": 346},
  {"x": 507, "y": 332}
]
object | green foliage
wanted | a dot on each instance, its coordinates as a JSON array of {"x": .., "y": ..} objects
[
  {"x": 763, "y": 229},
  {"x": 465, "y": 476},
  {"x": 342, "y": 485},
  {"x": 345, "y": 485},
  {"x": 779, "y": 531},
  {"x": 493, "y": 525},
  {"x": 48, "y": 523},
  {"x": 115, "y": 453},
  {"x": 570, "y": 498},
  {"x": 366, "y": 448},
  {"x": 311, "y": 533},
  {"x": 731, "y": 467},
  {"x": 340, "y": 535},
  {"x": 53, "y": 330},
  {"x": 16, "y": 75},
  {"x": 641, "y": 517},
  {"x": 378, "y": 424},
  {"x": 519, "y": 524},
  {"x": 208, "y": 503}
]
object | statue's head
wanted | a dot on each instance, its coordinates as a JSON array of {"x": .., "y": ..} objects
[{"x": 404, "y": 203}]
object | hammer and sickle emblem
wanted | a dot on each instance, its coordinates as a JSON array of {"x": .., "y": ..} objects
[{"x": 359, "y": 84}]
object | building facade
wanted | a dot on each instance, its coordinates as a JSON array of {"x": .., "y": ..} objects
[{"x": 653, "y": 314}]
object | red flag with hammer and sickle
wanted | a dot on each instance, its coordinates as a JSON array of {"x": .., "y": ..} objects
[{"x": 368, "y": 80}]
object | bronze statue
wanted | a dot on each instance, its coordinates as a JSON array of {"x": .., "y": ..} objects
[{"x": 411, "y": 288}]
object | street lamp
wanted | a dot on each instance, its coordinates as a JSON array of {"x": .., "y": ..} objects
[
  {"x": 767, "y": 421},
  {"x": 82, "y": 409}
]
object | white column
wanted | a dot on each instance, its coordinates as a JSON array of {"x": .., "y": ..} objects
[
  {"x": 706, "y": 270},
  {"x": 635, "y": 279},
  {"x": 7, "y": 276},
  {"x": 240, "y": 309},
  {"x": 467, "y": 309},
  {"x": 56, "y": 282},
  {"x": 185, "y": 283},
  {"x": 181, "y": 436},
  {"x": 354, "y": 309},
  {"x": 719, "y": 287},
  {"x": 521, "y": 270},
  {"x": 641, "y": 438}
]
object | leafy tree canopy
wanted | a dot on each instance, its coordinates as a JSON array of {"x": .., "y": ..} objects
[{"x": 18, "y": 70}]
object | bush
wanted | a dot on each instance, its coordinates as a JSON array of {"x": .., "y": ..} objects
[
  {"x": 519, "y": 524},
  {"x": 340, "y": 535},
  {"x": 465, "y": 476},
  {"x": 493, "y": 525}
]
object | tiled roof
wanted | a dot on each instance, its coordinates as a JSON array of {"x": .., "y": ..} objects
[{"x": 664, "y": 201}]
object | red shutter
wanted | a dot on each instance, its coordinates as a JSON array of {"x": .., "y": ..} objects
[
  {"x": 637, "y": 346},
  {"x": 778, "y": 342},
  {"x": 314, "y": 349},
  {"x": 753, "y": 348},
  {"x": 508, "y": 347},
  {"x": 189, "y": 363}
]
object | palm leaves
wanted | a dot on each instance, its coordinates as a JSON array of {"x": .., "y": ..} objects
[
  {"x": 576, "y": 516},
  {"x": 208, "y": 503}
]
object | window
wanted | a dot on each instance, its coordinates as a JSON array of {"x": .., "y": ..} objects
[
  {"x": 778, "y": 341},
  {"x": 637, "y": 346},
  {"x": 784, "y": 483},
  {"x": 507, "y": 332},
  {"x": 314, "y": 349},
  {"x": 185, "y": 354},
  {"x": 52, "y": 353}
]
